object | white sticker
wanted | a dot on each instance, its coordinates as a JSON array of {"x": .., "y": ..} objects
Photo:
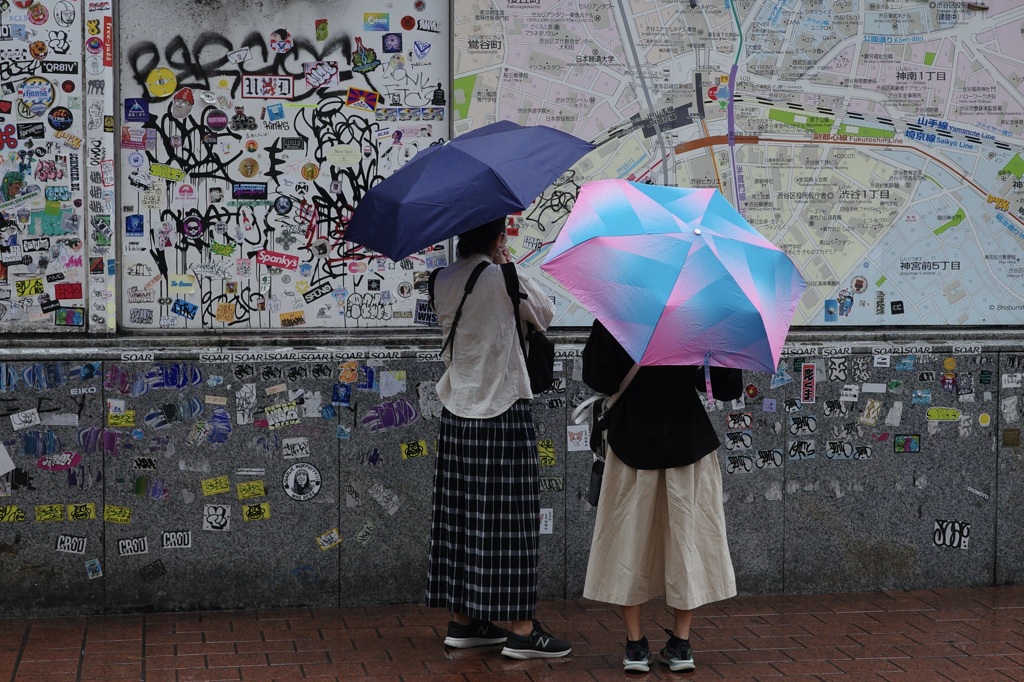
[
  {"x": 547, "y": 521},
  {"x": 579, "y": 437},
  {"x": 23, "y": 420}
]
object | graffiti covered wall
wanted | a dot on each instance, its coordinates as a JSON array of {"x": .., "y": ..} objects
[
  {"x": 43, "y": 252},
  {"x": 245, "y": 145}
]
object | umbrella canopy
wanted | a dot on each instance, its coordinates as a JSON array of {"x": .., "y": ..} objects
[
  {"x": 447, "y": 189},
  {"x": 677, "y": 275}
]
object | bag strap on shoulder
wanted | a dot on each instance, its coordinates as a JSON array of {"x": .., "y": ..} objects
[
  {"x": 512, "y": 287},
  {"x": 470, "y": 283}
]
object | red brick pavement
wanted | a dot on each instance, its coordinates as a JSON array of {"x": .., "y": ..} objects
[{"x": 962, "y": 635}]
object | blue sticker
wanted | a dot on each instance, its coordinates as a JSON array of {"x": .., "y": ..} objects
[
  {"x": 275, "y": 112},
  {"x": 342, "y": 395},
  {"x": 136, "y": 110},
  {"x": 135, "y": 225},
  {"x": 184, "y": 308}
]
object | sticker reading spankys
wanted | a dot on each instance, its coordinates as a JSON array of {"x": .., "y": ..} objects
[{"x": 302, "y": 481}]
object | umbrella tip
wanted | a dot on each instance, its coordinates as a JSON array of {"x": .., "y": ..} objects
[{"x": 696, "y": 230}]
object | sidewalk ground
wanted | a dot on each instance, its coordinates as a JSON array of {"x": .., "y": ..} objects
[{"x": 963, "y": 635}]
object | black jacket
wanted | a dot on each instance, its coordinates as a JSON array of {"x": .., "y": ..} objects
[{"x": 659, "y": 422}]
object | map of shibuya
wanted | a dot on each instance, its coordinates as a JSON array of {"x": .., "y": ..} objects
[{"x": 879, "y": 143}]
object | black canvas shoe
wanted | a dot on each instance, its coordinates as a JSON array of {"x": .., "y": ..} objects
[
  {"x": 477, "y": 633},
  {"x": 538, "y": 644},
  {"x": 677, "y": 654},
  {"x": 638, "y": 656}
]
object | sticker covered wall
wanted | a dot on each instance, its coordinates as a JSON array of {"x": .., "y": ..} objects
[
  {"x": 42, "y": 226},
  {"x": 245, "y": 149}
]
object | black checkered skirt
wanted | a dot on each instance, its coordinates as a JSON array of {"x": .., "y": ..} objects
[{"x": 485, "y": 519}]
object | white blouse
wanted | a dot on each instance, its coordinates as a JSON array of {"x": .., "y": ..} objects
[{"x": 486, "y": 371}]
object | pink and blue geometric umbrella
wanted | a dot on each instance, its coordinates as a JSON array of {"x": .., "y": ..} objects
[{"x": 677, "y": 275}]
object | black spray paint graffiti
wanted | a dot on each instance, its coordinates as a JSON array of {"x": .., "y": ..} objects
[
  {"x": 208, "y": 58},
  {"x": 241, "y": 161}
]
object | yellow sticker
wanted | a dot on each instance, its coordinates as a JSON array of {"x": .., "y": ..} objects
[
  {"x": 546, "y": 451},
  {"x": 414, "y": 450},
  {"x": 331, "y": 538},
  {"x": 984, "y": 419},
  {"x": 943, "y": 414},
  {"x": 251, "y": 489},
  {"x": 216, "y": 486},
  {"x": 50, "y": 512},
  {"x": 225, "y": 312},
  {"x": 348, "y": 372},
  {"x": 30, "y": 287},
  {"x": 161, "y": 82},
  {"x": 256, "y": 512},
  {"x": 949, "y": 364},
  {"x": 117, "y": 514},
  {"x": 11, "y": 514},
  {"x": 293, "y": 319},
  {"x": 82, "y": 512},
  {"x": 127, "y": 418}
]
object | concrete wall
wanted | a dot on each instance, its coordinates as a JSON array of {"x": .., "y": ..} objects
[{"x": 133, "y": 453}]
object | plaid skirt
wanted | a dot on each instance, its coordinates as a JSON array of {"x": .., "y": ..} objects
[{"x": 485, "y": 519}]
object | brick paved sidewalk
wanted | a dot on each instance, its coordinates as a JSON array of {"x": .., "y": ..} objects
[{"x": 964, "y": 635}]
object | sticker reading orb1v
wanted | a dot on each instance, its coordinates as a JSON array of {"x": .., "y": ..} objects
[{"x": 301, "y": 481}]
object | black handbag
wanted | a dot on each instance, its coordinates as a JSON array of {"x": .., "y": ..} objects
[{"x": 538, "y": 350}]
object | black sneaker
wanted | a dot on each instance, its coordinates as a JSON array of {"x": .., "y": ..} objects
[
  {"x": 677, "y": 654},
  {"x": 477, "y": 633},
  {"x": 539, "y": 644},
  {"x": 638, "y": 656}
]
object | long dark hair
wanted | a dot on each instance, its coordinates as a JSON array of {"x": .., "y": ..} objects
[{"x": 480, "y": 239}]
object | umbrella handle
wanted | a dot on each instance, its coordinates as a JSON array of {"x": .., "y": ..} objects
[{"x": 707, "y": 375}]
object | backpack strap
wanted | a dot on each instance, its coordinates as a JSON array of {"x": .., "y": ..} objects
[
  {"x": 470, "y": 283},
  {"x": 430, "y": 286},
  {"x": 512, "y": 287}
]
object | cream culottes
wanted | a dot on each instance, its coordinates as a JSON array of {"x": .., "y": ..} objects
[{"x": 660, "y": 532}]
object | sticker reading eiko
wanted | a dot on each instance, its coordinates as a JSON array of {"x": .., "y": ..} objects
[{"x": 301, "y": 481}]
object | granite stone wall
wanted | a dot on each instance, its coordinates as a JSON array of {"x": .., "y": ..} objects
[{"x": 228, "y": 478}]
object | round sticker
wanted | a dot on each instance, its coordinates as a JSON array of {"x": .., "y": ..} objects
[
  {"x": 181, "y": 105},
  {"x": 208, "y": 97},
  {"x": 301, "y": 481},
  {"x": 94, "y": 65},
  {"x": 984, "y": 419},
  {"x": 949, "y": 364},
  {"x": 94, "y": 45},
  {"x": 192, "y": 226},
  {"x": 248, "y": 167},
  {"x": 36, "y": 90},
  {"x": 280, "y": 41},
  {"x": 282, "y": 205},
  {"x": 68, "y": 86},
  {"x": 251, "y": 146},
  {"x": 419, "y": 5},
  {"x": 217, "y": 120},
  {"x": 408, "y": 23},
  {"x": 64, "y": 13},
  {"x": 135, "y": 160},
  {"x": 342, "y": 156},
  {"x": 752, "y": 391},
  {"x": 38, "y": 14},
  {"x": 310, "y": 171},
  {"x": 161, "y": 82},
  {"x": 60, "y": 118},
  {"x": 186, "y": 192},
  {"x": 38, "y": 50}
]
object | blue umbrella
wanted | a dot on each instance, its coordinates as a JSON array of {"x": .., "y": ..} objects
[{"x": 447, "y": 189}]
